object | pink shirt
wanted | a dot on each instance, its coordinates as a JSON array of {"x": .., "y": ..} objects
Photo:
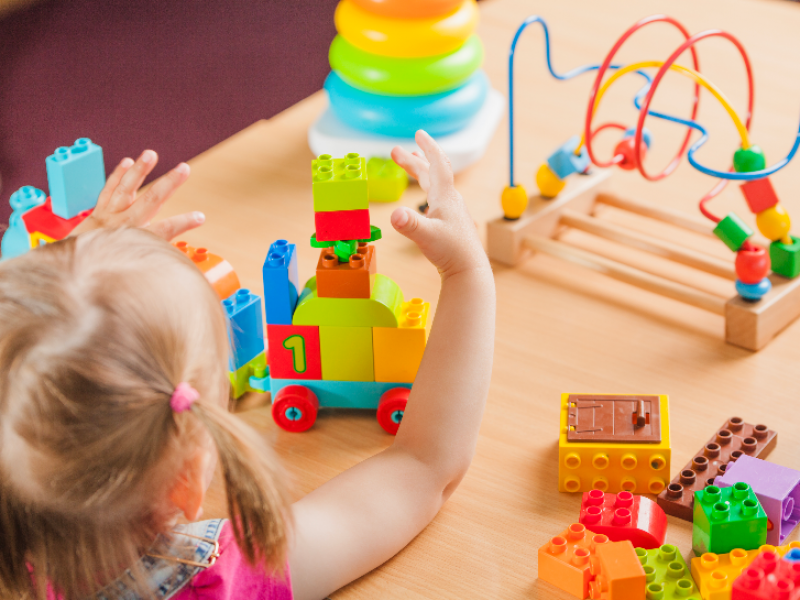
[{"x": 232, "y": 577}]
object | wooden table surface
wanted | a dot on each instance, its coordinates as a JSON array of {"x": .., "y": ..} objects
[{"x": 560, "y": 328}]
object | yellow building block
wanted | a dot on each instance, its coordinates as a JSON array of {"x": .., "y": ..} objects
[
  {"x": 398, "y": 350},
  {"x": 613, "y": 466},
  {"x": 40, "y": 239},
  {"x": 714, "y": 574},
  {"x": 346, "y": 353}
]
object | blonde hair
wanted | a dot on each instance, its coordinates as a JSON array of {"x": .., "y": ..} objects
[{"x": 95, "y": 334}]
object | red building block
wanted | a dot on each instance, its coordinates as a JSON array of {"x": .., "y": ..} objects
[
  {"x": 43, "y": 220},
  {"x": 294, "y": 352},
  {"x": 768, "y": 578},
  {"x": 352, "y": 279},
  {"x": 342, "y": 225},
  {"x": 624, "y": 516},
  {"x": 565, "y": 561},
  {"x": 759, "y": 194},
  {"x": 619, "y": 574}
]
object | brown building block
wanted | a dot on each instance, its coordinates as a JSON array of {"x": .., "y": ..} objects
[
  {"x": 628, "y": 418},
  {"x": 352, "y": 279},
  {"x": 619, "y": 574},
  {"x": 734, "y": 439}
]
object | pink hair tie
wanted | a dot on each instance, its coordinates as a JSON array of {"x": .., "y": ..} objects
[{"x": 183, "y": 397}]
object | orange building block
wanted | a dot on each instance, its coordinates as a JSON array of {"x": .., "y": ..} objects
[
  {"x": 619, "y": 574},
  {"x": 397, "y": 351},
  {"x": 218, "y": 271},
  {"x": 565, "y": 561},
  {"x": 352, "y": 279}
]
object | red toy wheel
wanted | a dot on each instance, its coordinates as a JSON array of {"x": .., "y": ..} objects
[
  {"x": 391, "y": 407},
  {"x": 295, "y": 408}
]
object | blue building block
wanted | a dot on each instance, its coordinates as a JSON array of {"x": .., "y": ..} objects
[
  {"x": 245, "y": 327},
  {"x": 281, "y": 282},
  {"x": 76, "y": 175},
  {"x": 341, "y": 394},
  {"x": 17, "y": 239},
  {"x": 793, "y": 555},
  {"x": 564, "y": 162}
]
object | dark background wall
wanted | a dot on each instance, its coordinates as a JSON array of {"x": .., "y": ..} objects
[{"x": 177, "y": 76}]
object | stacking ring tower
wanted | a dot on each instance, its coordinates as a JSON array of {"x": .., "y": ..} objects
[{"x": 403, "y": 65}]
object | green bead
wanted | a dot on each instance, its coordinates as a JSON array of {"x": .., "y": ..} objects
[
  {"x": 733, "y": 231},
  {"x": 747, "y": 161},
  {"x": 785, "y": 258}
]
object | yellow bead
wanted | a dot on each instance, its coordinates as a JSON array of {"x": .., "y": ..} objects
[
  {"x": 514, "y": 201},
  {"x": 774, "y": 223},
  {"x": 549, "y": 183}
]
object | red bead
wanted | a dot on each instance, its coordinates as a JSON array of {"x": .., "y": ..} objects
[
  {"x": 752, "y": 265},
  {"x": 626, "y": 149}
]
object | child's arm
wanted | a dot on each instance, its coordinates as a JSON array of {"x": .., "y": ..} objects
[
  {"x": 361, "y": 518},
  {"x": 120, "y": 204}
]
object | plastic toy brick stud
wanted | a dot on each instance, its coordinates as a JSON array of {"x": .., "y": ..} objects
[
  {"x": 619, "y": 574},
  {"x": 785, "y": 258},
  {"x": 352, "y": 279},
  {"x": 747, "y": 161},
  {"x": 759, "y": 194},
  {"x": 386, "y": 180},
  {"x": 668, "y": 576},
  {"x": 564, "y": 162},
  {"x": 793, "y": 555},
  {"x": 734, "y": 439},
  {"x": 565, "y": 561},
  {"x": 515, "y": 200},
  {"x": 245, "y": 327},
  {"x": 624, "y": 516},
  {"x": 777, "y": 489},
  {"x": 76, "y": 175},
  {"x": 728, "y": 518},
  {"x": 732, "y": 231},
  {"x": 339, "y": 183},
  {"x": 281, "y": 283},
  {"x": 714, "y": 574},
  {"x": 768, "y": 578}
]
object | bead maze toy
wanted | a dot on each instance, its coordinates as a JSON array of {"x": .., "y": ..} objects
[
  {"x": 571, "y": 187},
  {"x": 347, "y": 339},
  {"x": 399, "y": 66},
  {"x": 76, "y": 175}
]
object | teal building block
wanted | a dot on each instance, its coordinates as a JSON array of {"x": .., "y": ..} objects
[
  {"x": 339, "y": 183},
  {"x": 728, "y": 518},
  {"x": 379, "y": 310},
  {"x": 785, "y": 258},
  {"x": 668, "y": 576},
  {"x": 386, "y": 180},
  {"x": 76, "y": 175},
  {"x": 17, "y": 238},
  {"x": 341, "y": 394},
  {"x": 732, "y": 231}
]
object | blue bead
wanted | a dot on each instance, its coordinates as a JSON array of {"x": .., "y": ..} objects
[
  {"x": 753, "y": 291},
  {"x": 564, "y": 162},
  {"x": 646, "y": 135},
  {"x": 402, "y": 116}
]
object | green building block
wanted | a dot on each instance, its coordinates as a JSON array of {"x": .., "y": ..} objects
[
  {"x": 346, "y": 353},
  {"x": 668, "y": 576},
  {"x": 747, "y": 161},
  {"x": 733, "y": 231},
  {"x": 240, "y": 378},
  {"x": 726, "y": 519},
  {"x": 387, "y": 181},
  {"x": 339, "y": 183},
  {"x": 380, "y": 310},
  {"x": 785, "y": 258}
]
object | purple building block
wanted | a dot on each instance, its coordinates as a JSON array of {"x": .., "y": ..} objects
[{"x": 777, "y": 488}]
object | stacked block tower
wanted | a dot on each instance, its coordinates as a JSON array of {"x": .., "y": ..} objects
[
  {"x": 347, "y": 338},
  {"x": 403, "y": 65},
  {"x": 75, "y": 175}
]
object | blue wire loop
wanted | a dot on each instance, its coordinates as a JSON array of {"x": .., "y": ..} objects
[{"x": 637, "y": 101}]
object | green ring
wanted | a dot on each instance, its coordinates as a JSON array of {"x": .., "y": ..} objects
[{"x": 405, "y": 76}]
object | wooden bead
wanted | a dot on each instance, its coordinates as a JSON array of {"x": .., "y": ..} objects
[
  {"x": 774, "y": 223},
  {"x": 752, "y": 265},
  {"x": 549, "y": 183}
]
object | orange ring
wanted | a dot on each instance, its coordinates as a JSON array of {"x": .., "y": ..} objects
[{"x": 409, "y": 9}]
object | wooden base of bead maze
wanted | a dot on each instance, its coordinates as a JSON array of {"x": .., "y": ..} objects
[{"x": 749, "y": 325}]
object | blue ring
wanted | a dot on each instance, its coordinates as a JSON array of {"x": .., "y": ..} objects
[{"x": 402, "y": 116}]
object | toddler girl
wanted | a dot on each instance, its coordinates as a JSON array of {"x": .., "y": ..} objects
[{"x": 114, "y": 415}]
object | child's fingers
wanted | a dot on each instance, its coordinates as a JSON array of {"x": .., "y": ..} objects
[
  {"x": 174, "y": 226},
  {"x": 411, "y": 224},
  {"x": 151, "y": 201},
  {"x": 125, "y": 194},
  {"x": 413, "y": 164},
  {"x": 113, "y": 181},
  {"x": 440, "y": 172}
]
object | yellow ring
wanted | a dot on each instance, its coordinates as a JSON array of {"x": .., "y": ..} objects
[{"x": 405, "y": 38}]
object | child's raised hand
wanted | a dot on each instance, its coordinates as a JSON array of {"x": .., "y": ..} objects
[
  {"x": 447, "y": 235},
  {"x": 120, "y": 204}
]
